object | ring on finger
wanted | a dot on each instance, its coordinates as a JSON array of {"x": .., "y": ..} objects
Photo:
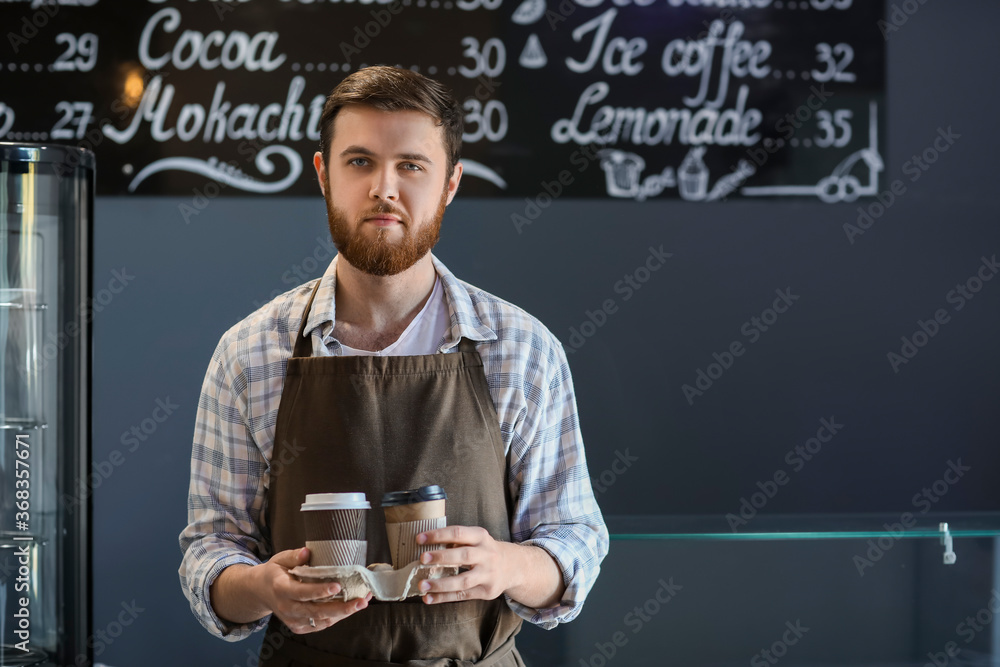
[{"x": 312, "y": 622}]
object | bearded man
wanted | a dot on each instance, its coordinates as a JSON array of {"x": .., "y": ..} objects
[{"x": 390, "y": 373}]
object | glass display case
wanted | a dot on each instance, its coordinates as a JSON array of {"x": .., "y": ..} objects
[
  {"x": 903, "y": 590},
  {"x": 46, "y": 208}
]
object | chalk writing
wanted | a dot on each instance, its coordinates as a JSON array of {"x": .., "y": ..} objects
[{"x": 703, "y": 100}]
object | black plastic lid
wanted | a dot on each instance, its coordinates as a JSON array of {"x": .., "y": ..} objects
[{"x": 421, "y": 495}]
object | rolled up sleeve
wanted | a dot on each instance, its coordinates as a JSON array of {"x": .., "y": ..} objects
[
  {"x": 225, "y": 499},
  {"x": 555, "y": 508}
]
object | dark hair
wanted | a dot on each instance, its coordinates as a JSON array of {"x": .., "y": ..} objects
[{"x": 395, "y": 89}]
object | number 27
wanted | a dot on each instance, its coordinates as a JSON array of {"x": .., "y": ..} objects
[{"x": 69, "y": 110}]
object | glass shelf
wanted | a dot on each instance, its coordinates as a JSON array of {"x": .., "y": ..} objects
[
  {"x": 21, "y": 424},
  {"x": 12, "y": 540},
  {"x": 802, "y": 526}
]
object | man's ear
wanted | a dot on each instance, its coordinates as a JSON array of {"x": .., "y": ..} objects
[
  {"x": 320, "y": 171},
  {"x": 456, "y": 176}
]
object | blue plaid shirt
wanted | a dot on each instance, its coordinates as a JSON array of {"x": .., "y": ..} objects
[{"x": 531, "y": 387}]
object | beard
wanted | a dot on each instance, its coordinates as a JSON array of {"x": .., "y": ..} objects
[{"x": 372, "y": 251}]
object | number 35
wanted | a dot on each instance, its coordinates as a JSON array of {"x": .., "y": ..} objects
[{"x": 841, "y": 119}]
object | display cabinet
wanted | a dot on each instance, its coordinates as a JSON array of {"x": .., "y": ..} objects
[
  {"x": 46, "y": 208},
  {"x": 899, "y": 589}
]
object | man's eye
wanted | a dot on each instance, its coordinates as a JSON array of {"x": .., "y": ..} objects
[
  {"x": 358, "y": 162},
  {"x": 409, "y": 166}
]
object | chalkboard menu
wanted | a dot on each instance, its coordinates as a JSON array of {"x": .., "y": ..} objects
[{"x": 636, "y": 99}]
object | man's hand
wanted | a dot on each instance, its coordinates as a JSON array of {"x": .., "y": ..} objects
[
  {"x": 528, "y": 574},
  {"x": 295, "y": 602}
]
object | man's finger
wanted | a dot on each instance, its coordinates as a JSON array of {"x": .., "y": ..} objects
[
  {"x": 310, "y": 592},
  {"x": 476, "y": 593},
  {"x": 291, "y": 557},
  {"x": 454, "y": 556},
  {"x": 458, "y": 582},
  {"x": 337, "y": 609},
  {"x": 452, "y": 535},
  {"x": 326, "y": 614}
]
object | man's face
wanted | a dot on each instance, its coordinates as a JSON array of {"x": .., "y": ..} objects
[{"x": 386, "y": 186}]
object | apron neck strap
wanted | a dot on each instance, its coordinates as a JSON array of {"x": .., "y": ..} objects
[
  {"x": 302, "y": 346},
  {"x": 467, "y": 345}
]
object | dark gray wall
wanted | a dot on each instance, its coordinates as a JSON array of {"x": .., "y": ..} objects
[{"x": 825, "y": 357}]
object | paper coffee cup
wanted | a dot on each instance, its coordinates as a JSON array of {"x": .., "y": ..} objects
[
  {"x": 409, "y": 513},
  {"x": 335, "y": 528}
]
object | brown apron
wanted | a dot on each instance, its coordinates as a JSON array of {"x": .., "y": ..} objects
[{"x": 377, "y": 424}]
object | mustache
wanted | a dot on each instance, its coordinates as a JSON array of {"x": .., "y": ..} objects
[{"x": 384, "y": 208}]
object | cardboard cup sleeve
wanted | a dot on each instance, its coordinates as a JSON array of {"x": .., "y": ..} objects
[
  {"x": 403, "y": 539},
  {"x": 337, "y": 552},
  {"x": 336, "y": 537}
]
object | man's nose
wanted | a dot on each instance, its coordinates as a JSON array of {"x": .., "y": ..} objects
[{"x": 385, "y": 185}]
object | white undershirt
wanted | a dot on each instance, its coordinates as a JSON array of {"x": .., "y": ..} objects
[{"x": 423, "y": 334}]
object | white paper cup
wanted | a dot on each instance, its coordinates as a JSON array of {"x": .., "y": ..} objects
[{"x": 335, "y": 528}]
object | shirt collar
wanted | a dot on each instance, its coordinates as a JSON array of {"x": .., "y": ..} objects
[{"x": 465, "y": 320}]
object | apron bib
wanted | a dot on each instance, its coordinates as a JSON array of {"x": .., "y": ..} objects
[{"x": 378, "y": 424}]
